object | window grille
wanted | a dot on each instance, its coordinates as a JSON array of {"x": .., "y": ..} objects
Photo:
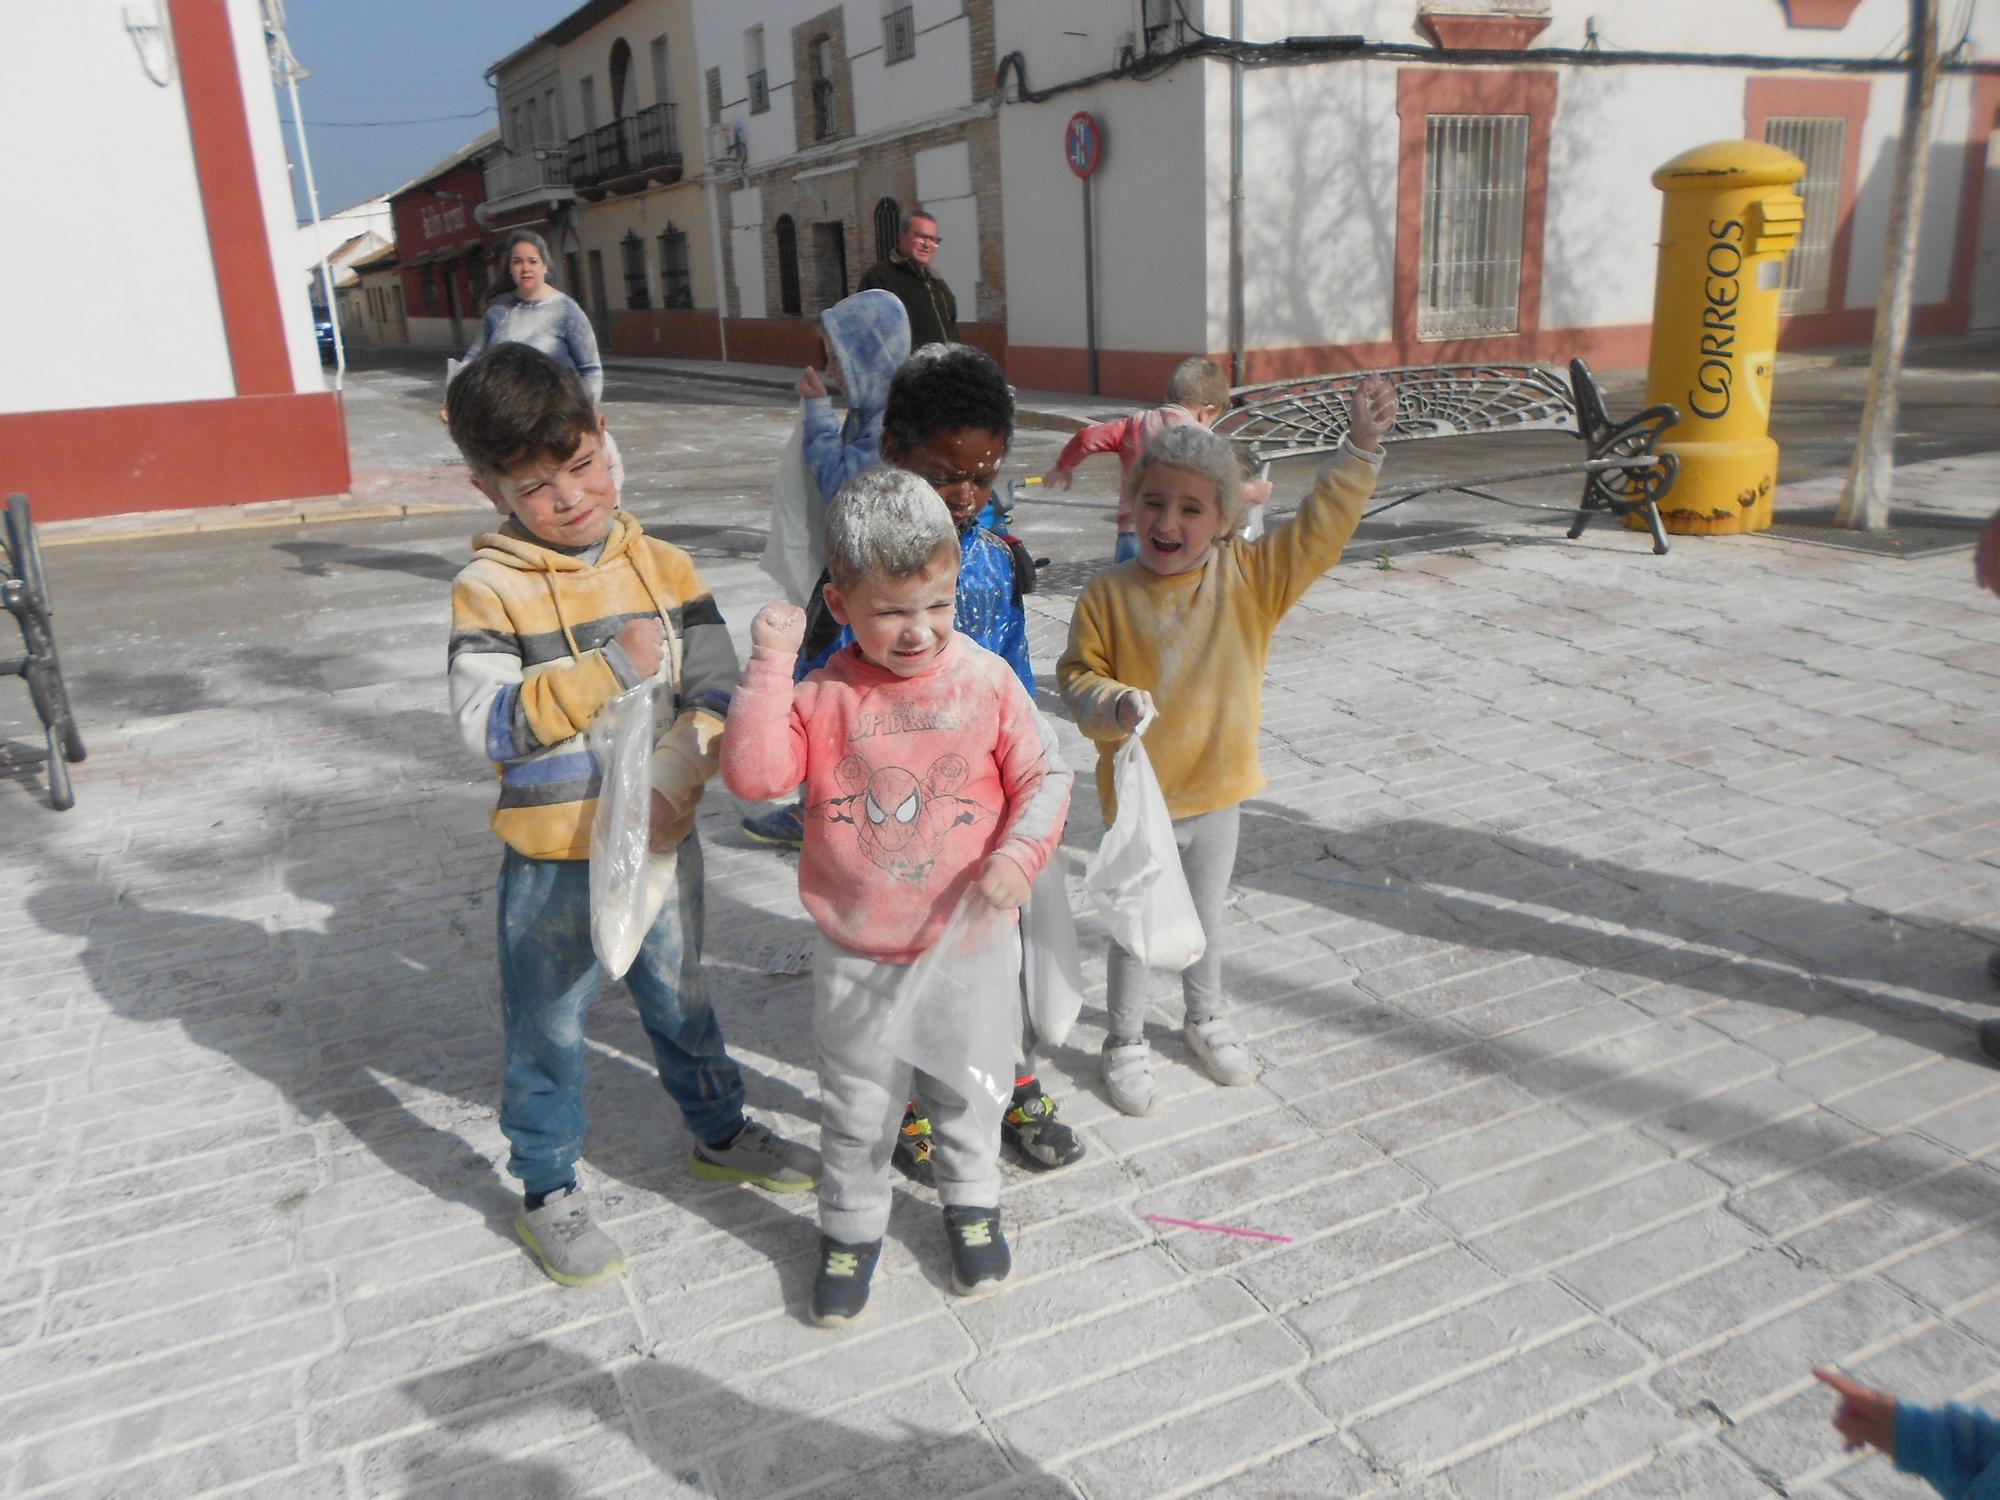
[
  {"x": 1475, "y": 185},
  {"x": 788, "y": 265},
  {"x": 888, "y": 227},
  {"x": 899, "y": 35},
  {"x": 676, "y": 285},
  {"x": 753, "y": 66},
  {"x": 633, "y": 251},
  {"x": 1820, "y": 142},
  {"x": 760, "y": 92}
]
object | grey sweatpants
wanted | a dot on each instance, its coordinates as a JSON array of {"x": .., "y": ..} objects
[
  {"x": 1208, "y": 858},
  {"x": 863, "y": 1090}
]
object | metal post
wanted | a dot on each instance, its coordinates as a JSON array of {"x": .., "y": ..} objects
[{"x": 1089, "y": 288}]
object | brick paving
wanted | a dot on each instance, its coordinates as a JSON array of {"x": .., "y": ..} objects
[{"x": 1611, "y": 935}]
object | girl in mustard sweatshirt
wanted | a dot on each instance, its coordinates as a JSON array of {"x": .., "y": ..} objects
[{"x": 1184, "y": 630}]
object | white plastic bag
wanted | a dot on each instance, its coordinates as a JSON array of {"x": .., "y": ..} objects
[
  {"x": 628, "y": 882},
  {"x": 795, "y": 552},
  {"x": 1136, "y": 877},
  {"x": 956, "y": 1014},
  {"x": 1052, "y": 968}
]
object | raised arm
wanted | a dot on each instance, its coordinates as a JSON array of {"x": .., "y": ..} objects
[{"x": 764, "y": 752}]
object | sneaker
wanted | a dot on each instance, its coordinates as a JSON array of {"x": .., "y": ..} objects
[
  {"x": 1032, "y": 1128},
  {"x": 1993, "y": 966},
  {"x": 1214, "y": 1045},
  {"x": 760, "y": 1156},
  {"x": 1989, "y": 1039},
  {"x": 913, "y": 1145},
  {"x": 571, "y": 1248},
  {"x": 840, "y": 1290},
  {"x": 1128, "y": 1077},
  {"x": 980, "y": 1259},
  {"x": 784, "y": 826}
]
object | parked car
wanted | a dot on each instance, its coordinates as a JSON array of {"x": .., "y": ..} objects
[{"x": 323, "y": 331}]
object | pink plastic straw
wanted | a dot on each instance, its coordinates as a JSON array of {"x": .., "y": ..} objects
[{"x": 1247, "y": 1234}]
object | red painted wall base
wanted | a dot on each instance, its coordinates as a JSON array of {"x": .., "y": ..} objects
[{"x": 112, "y": 460}]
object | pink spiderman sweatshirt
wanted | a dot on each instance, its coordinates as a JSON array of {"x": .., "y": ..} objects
[{"x": 910, "y": 783}]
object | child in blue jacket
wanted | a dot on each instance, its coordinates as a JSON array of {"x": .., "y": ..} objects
[{"x": 1956, "y": 1448}]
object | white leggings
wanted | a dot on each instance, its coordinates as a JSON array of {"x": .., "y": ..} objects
[{"x": 1208, "y": 858}]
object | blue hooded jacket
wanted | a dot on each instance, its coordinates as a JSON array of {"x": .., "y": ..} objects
[{"x": 869, "y": 334}]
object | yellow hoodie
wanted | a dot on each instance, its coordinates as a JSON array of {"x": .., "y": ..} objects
[{"x": 1198, "y": 642}]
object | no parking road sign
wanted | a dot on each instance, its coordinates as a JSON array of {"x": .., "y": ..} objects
[{"x": 1083, "y": 143}]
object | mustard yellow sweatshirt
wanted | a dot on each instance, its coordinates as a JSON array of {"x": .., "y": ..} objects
[{"x": 1198, "y": 642}]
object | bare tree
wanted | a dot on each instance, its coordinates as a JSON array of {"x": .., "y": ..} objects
[{"x": 1864, "y": 498}]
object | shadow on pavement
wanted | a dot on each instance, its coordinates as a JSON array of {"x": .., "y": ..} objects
[
  {"x": 319, "y": 559},
  {"x": 700, "y": 1436}
]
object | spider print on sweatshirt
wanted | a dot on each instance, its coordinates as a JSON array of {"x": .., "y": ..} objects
[{"x": 899, "y": 817}]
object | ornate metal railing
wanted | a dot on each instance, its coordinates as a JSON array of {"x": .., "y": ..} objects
[{"x": 1621, "y": 472}]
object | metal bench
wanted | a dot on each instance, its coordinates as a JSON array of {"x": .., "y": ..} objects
[
  {"x": 1622, "y": 475},
  {"x": 24, "y": 589}
]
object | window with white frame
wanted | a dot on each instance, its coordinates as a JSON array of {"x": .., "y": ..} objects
[
  {"x": 899, "y": 31},
  {"x": 1820, "y": 142},
  {"x": 753, "y": 64},
  {"x": 1475, "y": 186}
]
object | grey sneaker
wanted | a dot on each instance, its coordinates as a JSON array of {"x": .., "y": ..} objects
[
  {"x": 1128, "y": 1077},
  {"x": 571, "y": 1248},
  {"x": 758, "y": 1155},
  {"x": 1214, "y": 1045}
]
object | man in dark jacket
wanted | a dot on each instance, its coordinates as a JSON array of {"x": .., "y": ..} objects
[{"x": 907, "y": 273}]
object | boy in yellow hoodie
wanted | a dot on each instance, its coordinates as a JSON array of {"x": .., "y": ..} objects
[
  {"x": 565, "y": 606},
  {"x": 1184, "y": 630}
]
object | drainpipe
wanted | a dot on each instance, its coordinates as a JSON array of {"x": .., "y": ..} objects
[{"x": 1236, "y": 198}]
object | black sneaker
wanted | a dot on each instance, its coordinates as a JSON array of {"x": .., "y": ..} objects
[
  {"x": 1031, "y": 1128},
  {"x": 1989, "y": 1039},
  {"x": 913, "y": 1145},
  {"x": 840, "y": 1290},
  {"x": 980, "y": 1259},
  {"x": 1993, "y": 966}
]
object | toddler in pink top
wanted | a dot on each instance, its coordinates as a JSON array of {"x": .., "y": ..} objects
[{"x": 928, "y": 773}]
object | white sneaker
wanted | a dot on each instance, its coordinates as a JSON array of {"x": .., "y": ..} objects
[
  {"x": 1214, "y": 1045},
  {"x": 1128, "y": 1077}
]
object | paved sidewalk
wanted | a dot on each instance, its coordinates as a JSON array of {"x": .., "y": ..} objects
[{"x": 1610, "y": 934}]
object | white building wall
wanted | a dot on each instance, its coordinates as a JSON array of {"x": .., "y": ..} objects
[
  {"x": 1321, "y": 152},
  {"x": 937, "y": 79},
  {"x": 112, "y": 319},
  {"x": 1152, "y": 196},
  {"x": 746, "y": 247}
]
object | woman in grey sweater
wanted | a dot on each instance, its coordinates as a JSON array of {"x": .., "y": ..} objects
[{"x": 536, "y": 314}]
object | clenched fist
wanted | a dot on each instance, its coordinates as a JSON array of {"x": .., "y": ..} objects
[
  {"x": 1002, "y": 883},
  {"x": 643, "y": 642},
  {"x": 779, "y": 626},
  {"x": 1371, "y": 411}
]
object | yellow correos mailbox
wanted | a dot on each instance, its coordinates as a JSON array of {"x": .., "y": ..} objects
[{"x": 1730, "y": 216}]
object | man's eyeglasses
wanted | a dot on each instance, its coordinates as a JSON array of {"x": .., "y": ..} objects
[{"x": 926, "y": 239}]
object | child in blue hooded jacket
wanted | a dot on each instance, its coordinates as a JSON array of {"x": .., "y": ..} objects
[{"x": 864, "y": 338}]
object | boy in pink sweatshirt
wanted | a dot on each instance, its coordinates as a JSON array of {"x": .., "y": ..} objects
[{"x": 928, "y": 774}]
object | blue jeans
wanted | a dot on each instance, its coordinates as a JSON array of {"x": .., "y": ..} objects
[{"x": 548, "y": 976}]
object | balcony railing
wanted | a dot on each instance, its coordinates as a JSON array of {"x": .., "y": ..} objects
[
  {"x": 526, "y": 172},
  {"x": 642, "y": 145}
]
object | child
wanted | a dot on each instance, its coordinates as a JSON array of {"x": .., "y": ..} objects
[
  {"x": 1955, "y": 1447},
  {"x": 863, "y": 339},
  {"x": 949, "y": 420},
  {"x": 563, "y": 607},
  {"x": 928, "y": 772},
  {"x": 1197, "y": 392},
  {"x": 1186, "y": 626}
]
